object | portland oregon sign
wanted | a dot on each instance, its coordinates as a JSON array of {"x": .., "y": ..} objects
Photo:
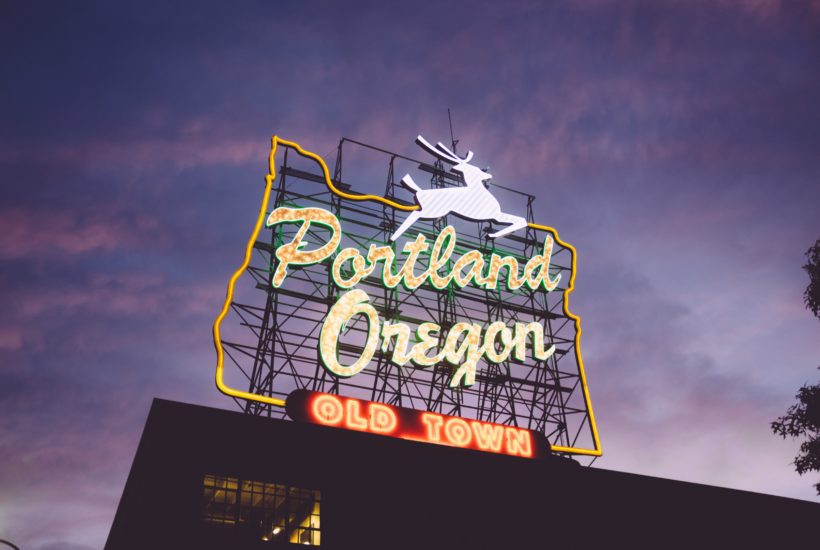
[{"x": 411, "y": 298}]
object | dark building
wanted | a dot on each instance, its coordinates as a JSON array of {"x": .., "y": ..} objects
[{"x": 208, "y": 478}]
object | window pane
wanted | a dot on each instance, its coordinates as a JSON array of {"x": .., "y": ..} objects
[{"x": 273, "y": 511}]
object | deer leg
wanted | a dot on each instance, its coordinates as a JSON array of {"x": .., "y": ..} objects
[
  {"x": 411, "y": 219},
  {"x": 408, "y": 182},
  {"x": 516, "y": 223}
]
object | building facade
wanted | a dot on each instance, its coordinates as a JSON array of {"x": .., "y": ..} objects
[{"x": 209, "y": 478}]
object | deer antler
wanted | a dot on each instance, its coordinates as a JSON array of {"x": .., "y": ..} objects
[
  {"x": 443, "y": 152},
  {"x": 440, "y": 146},
  {"x": 443, "y": 155}
]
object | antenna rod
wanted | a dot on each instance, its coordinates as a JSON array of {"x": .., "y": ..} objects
[{"x": 453, "y": 140}]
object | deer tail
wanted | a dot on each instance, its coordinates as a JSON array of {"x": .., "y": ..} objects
[{"x": 408, "y": 182}]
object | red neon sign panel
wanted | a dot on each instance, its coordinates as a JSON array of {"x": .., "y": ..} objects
[{"x": 377, "y": 418}]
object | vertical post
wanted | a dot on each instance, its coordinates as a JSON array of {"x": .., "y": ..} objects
[
  {"x": 445, "y": 314},
  {"x": 382, "y": 390}
]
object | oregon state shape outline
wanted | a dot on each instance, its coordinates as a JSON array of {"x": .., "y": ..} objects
[{"x": 269, "y": 179}]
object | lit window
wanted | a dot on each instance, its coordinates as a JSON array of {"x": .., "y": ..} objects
[{"x": 269, "y": 511}]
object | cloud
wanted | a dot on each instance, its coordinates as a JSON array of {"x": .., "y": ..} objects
[
  {"x": 143, "y": 155},
  {"x": 10, "y": 338},
  {"x": 762, "y": 9},
  {"x": 677, "y": 387},
  {"x": 33, "y": 233}
]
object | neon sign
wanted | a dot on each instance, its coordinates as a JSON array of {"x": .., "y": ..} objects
[
  {"x": 306, "y": 240},
  {"x": 377, "y": 418}
]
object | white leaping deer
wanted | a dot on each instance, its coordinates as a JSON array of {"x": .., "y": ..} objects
[{"x": 473, "y": 201}]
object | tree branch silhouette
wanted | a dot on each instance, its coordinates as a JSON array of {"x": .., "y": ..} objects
[{"x": 803, "y": 418}]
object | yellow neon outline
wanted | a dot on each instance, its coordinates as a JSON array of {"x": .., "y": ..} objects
[{"x": 269, "y": 179}]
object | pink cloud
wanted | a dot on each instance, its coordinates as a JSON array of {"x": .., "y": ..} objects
[
  {"x": 197, "y": 141},
  {"x": 182, "y": 153},
  {"x": 10, "y": 338},
  {"x": 33, "y": 233},
  {"x": 129, "y": 294},
  {"x": 762, "y": 9}
]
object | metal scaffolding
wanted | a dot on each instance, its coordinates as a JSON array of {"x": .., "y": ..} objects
[{"x": 274, "y": 346}]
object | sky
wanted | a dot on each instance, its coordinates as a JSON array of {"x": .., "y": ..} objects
[{"x": 674, "y": 144}]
